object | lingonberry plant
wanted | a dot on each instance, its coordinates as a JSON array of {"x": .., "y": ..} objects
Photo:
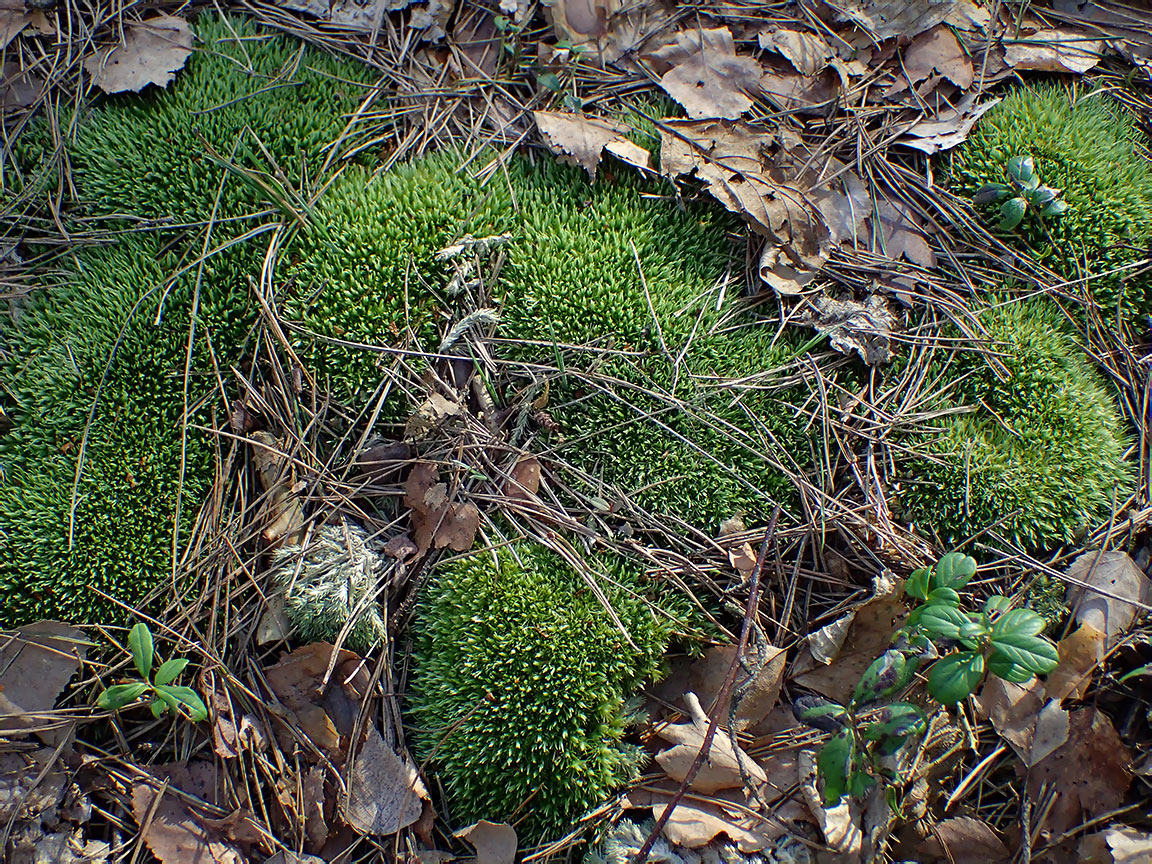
[
  {"x": 999, "y": 639},
  {"x": 165, "y": 695},
  {"x": 1023, "y": 191}
]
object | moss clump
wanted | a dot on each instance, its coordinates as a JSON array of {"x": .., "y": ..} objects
[
  {"x": 520, "y": 684},
  {"x": 1042, "y": 452},
  {"x": 115, "y": 314},
  {"x": 1088, "y": 146}
]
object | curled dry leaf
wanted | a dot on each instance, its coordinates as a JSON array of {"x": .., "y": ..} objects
[
  {"x": 807, "y": 52},
  {"x": 151, "y": 53},
  {"x": 1032, "y": 727},
  {"x": 494, "y": 842},
  {"x": 437, "y": 521},
  {"x": 299, "y": 680},
  {"x": 577, "y": 139},
  {"x": 721, "y": 768},
  {"x": 713, "y": 81},
  {"x": 1054, "y": 50},
  {"x": 1108, "y": 590},
  {"x": 36, "y": 662},
  {"x": 283, "y": 510},
  {"x": 947, "y": 128},
  {"x": 697, "y": 822}
]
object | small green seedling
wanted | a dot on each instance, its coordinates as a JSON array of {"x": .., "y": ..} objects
[
  {"x": 998, "y": 639},
  {"x": 165, "y": 694},
  {"x": 1023, "y": 191}
]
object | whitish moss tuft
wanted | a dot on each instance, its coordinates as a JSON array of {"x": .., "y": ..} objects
[
  {"x": 520, "y": 682},
  {"x": 1088, "y": 146},
  {"x": 1041, "y": 453}
]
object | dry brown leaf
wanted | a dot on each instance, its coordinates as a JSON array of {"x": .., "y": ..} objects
[
  {"x": 385, "y": 792},
  {"x": 283, "y": 510},
  {"x": 721, "y": 768},
  {"x": 947, "y": 128},
  {"x": 1054, "y": 50},
  {"x": 1128, "y": 845},
  {"x": 888, "y": 18},
  {"x": 524, "y": 479},
  {"x": 19, "y": 88},
  {"x": 36, "y": 662},
  {"x": 32, "y": 785},
  {"x": 793, "y": 91},
  {"x": 151, "y": 53},
  {"x": 755, "y": 696},
  {"x": 608, "y": 28},
  {"x": 695, "y": 823},
  {"x": 494, "y": 842},
  {"x": 430, "y": 415},
  {"x": 1080, "y": 652},
  {"x": 297, "y": 681},
  {"x": 714, "y": 81},
  {"x": 172, "y": 831},
  {"x": 1111, "y": 591},
  {"x": 807, "y": 52},
  {"x": 853, "y": 326},
  {"x": 1052, "y": 727},
  {"x": 937, "y": 52},
  {"x": 1084, "y": 792},
  {"x": 1013, "y": 709},
  {"x": 363, "y": 17},
  {"x": 12, "y": 21},
  {"x": 436, "y": 521},
  {"x": 901, "y": 235},
  {"x": 577, "y": 139},
  {"x": 965, "y": 840}
]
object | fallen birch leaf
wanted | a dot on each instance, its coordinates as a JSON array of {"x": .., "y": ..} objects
[
  {"x": 12, "y": 21},
  {"x": 609, "y": 29},
  {"x": 151, "y": 53},
  {"x": 1080, "y": 652},
  {"x": 721, "y": 768},
  {"x": 807, "y": 52},
  {"x": 436, "y": 521},
  {"x": 937, "y": 51},
  {"x": 793, "y": 91},
  {"x": 385, "y": 793},
  {"x": 494, "y": 842},
  {"x": 524, "y": 479},
  {"x": 1054, "y": 50},
  {"x": 1032, "y": 727},
  {"x": 1109, "y": 594},
  {"x": 695, "y": 823},
  {"x": 36, "y": 663},
  {"x": 887, "y": 18},
  {"x": 577, "y": 139},
  {"x": 853, "y": 326},
  {"x": 297, "y": 681},
  {"x": 174, "y": 833},
  {"x": 714, "y": 81}
]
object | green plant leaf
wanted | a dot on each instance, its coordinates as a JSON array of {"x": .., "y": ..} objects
[
  {"x": 996, "y": 603},
  {"x": 1018, "y": 622},
  {"x": 188, "y": 701},
  {"x": 943, "y": 621},
  {"x": 884, "y": 676},
  {"x": 1035, "y": 653},
  {"x": 1054, "y": 208},
  {"x": 899, "y": 720},
  {"x": 972, "y": 633},
  {"x": 836, "y": 763},
  {"x": 140, "y": 643},
  {"x": 821, "y": 713},
  {"x": 861, "y": 783},
  {"x": 917, "y": 583},
  {"x": 1022, "y": 169},
  {"x": 954, "y": 677},
  {"x": 1012, "y": 213},
  {"x": 943, "y": 597},
  {"x": 990, "y": 193},
  {"x": 119, "y": 695},
  {"x": 1002, "y": 666},
  {"x": 169, "y": 669},
  {"x": 1146, "y": 669},
  {"x": 158, "y": 707},
  {"x": 954, "y": 570}
]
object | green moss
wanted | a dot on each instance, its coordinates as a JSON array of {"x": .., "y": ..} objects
[
  {"x": 1088, "y": 146},
  {"x": 520, "y": 683},
  {"x": 1040, "y": 453},
  {"x": 113, "y": 313}
]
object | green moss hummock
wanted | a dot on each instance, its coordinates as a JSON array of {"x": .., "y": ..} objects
[
  {"x": 1087, "y": 145},
  {"x": 1038, "y": 455},
  {"x": 520, "y": 684}
]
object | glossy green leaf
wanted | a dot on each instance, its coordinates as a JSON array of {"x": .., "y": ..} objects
[
  {"x": 1012, "y": 213},
  {"x": 943, "y": 597},
  {"x": 990, "y": 193},
  {"x": 119, "y": 695},
  {"x": 1018, "y": 622},
  {"x": 1002, "y": 667},
  {"x": 861, "y": 783},
  {"x": 972, "y": 633},
  {"x": 1035, "y": 653},
  {"x": 917, "y": 583},
  {"x": 954, "y": 571},
  {"x": 884, "y": 676},
  {"x": 996, "y": 603},
  {"x": 836, "y": 763},
  {"x": 190, "y": 703},
  {"x": 820, "y": 713},
  {"x": 953, "y": 678},
  {"x": 943, "y": 621},
  {"x": 169, "y": 669},
  {"x": 140, "y": 644},
  {"x": 158, "y": 707},
  {"x": 1022, "y": 169}
]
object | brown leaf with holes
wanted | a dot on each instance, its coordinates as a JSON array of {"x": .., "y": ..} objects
[
  {"x": 437, "y": 521},
  {"x": 1091, "y": 772},
  {"x": 151, "y": 53},
  {"x": 1111, "y": 591},
  {"x": 713, "y": 81}
]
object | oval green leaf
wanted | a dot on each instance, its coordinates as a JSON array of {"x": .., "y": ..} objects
[
  {"x": 140, "y": 644},
  {"x": 119, "y": 695},
  {"x": 189, "y": 702},
  {"x": 1019, "y": 622},
  {"x": 169, "y": 669},
  {"x": 883, "y": 676},
  {"x": 1034, "y": 653},
  {"x": 943, "y": 621},
  {"x": 955, "y": 570},
  {"x": 953, "y": 678},
  {"x": 917, "y": 583},
  {"x": 836, "y": 763},
  {"x": 943, "y": 597},
  {"x": 1012, "y": 213},
  {"x": 1003, "y": 667}
]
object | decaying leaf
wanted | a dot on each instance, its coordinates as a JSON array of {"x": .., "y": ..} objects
[
  {"x": 385, "y": 792},
  {"x": 1031, "y": 725},
  {"x": 721, "y": 768},
  {"x": 524, "y": 479},
  {"x": 934, "y": 55},
  {"x": 431, "y": 415},
  {"x": 697, "y": 822},
  {"x": 1108, "y": 590},
  {"x": 298, "y": 682},
  {"x": 1054, "y": 50},
  {"x": 36, "y": 662},
  {"x": 284, "y": 511},
  {"x": 840, "y": 825},
  {"x": 151, "y": 53},
  {"x": 1092, "y": 741},
  {"x": 853, "y": 326},
  {"x": 946, "y": 128},
  {"x": 607, "y": 29},
  {"x": 966, "y": 840},
  {"x": 494, "y": 842},
  {"x": 713, "y": 81},
  {"x": 577, "y": 139},
  {"x": 899, "y": 234},
  {"x": 1080, "y": 652},
  {"x": 12, "y": 21},
  {"x": 363, "y": 17},
  {"x": 170, "y": 828},
  {"x": 32, "y": 785},
  {"x": 807, "y": 52},
  {"x": 436, "y": 521},
  {"x": 755, "y": 694},
  {"x": 887, "y": 18},
  {"x": 1120, "y": 844}
]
